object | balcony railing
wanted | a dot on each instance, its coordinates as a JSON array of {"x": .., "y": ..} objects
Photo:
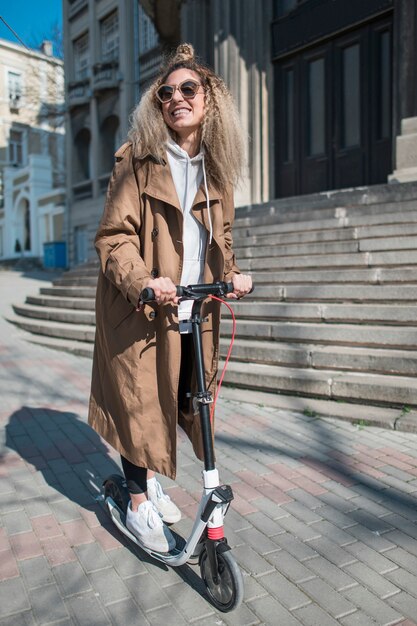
[
  {"x": 79, "y": 92},
  {"x": 106, "y": 75},
  {"x": 83, "y": 190}
]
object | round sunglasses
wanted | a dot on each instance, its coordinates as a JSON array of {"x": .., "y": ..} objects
[{"x": 188, "y": 89}]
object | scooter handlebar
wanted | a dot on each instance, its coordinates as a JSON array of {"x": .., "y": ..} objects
[{"x": 220, "y": 288}]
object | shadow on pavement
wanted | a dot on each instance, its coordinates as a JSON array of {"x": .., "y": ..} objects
[{"x": 72, "y": 462}]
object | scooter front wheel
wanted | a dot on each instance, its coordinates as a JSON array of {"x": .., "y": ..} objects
[{"x": 227, "y": 593}]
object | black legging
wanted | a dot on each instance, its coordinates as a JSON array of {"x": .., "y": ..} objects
[{"x": 136, "y": 476}]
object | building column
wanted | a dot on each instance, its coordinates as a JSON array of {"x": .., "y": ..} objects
[
  {"x": 405, "y": 91},
  {"x": 240, "y": 32}
]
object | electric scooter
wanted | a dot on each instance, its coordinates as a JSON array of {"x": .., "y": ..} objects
[{"x": 219, "y": 570}]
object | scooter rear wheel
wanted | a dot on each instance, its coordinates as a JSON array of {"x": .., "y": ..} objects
[
  {"x": 227, "y": 594},
  {"x": 115, "y": 488}
]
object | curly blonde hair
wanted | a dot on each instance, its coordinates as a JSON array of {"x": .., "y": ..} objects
[{"x": 221, "y": 132}]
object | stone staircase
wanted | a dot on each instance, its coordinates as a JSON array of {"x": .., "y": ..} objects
[{"x": 334, "y": 313}]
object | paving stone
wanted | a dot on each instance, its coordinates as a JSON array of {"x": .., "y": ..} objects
[
  {"x": 359, "y": 619},
  {"x": 331, "y": 551},
  {"x": 87, "y": 610},
  {"x": 47, "y": 604},
  {"x": 92, "y": 557},
  {"x": 404, "y": 581},
  {"x": 377, "y": 584},
  {"x": 363, "y": 599},
  {"x": 65, "y": 511},
  {"x": 334, "y": 602},
  {"x": 333, "y": 575},
  {"x": 25, "y": 618},
  {"x": 109, "y": 586},
  {"x": 381, "y": 563},
  {"x": 146, "y": 592},
  {"x": 165, "y": 615},
  {"x": 372, "y": 538},
  {"x": 290, "y": 566},
  {"x": 402, "y": 558},
  {"x": 302, "y": 513},
  {"x": 126, "y": 612},
  {"x": 126, "y": 563},
  {"x": 71, "y": 579},
  {"x": 264, "y": 524},
  {"x": 302, "y": 551},
  {"x": 188, "y": 603},
  {"x": 260, "y": 542},
  {"x": 287, "y": 594},
  {"x": 251, "y": 561},
  {"x": 313, "y": 615},
  {"x": 16, "y": 523},
  {"x": 302, "y": 531},
  {"x": 272, "y": 612},
  {"x": 36, "y": 572}
]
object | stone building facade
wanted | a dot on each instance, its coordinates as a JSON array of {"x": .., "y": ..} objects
[
  {"x": 326, "y": 90},
  {"x": 32, "y": 167}
]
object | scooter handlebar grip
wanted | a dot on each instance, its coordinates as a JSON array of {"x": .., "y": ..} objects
[{"x": 148, "y": 294}]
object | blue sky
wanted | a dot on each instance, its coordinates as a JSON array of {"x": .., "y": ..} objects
[{"x": 31, "y": 19}]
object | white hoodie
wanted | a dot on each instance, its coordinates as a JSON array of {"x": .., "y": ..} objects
[{"x": 188, "y": 174}]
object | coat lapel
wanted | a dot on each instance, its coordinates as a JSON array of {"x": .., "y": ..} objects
[{"x": 161, "y": 186}]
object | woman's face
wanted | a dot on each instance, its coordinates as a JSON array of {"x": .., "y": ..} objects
[{"x": 183, "y": 116}]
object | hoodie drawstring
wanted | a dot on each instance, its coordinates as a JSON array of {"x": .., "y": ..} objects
[{"x": 208, "y": 199}]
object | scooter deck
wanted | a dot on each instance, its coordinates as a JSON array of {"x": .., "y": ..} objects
[{"x": 119, "y": 519}]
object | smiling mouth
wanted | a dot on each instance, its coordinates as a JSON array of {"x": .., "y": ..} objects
[{"x": 180, "y": 112}]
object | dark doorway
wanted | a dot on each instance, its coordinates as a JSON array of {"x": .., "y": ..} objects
[{"x": 334, "y": 112}]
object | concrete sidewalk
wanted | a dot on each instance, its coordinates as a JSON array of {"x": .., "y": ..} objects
[{"x": 323, "y": 523}]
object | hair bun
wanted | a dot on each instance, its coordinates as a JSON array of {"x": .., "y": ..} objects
[{"x": 184, "y": 52}]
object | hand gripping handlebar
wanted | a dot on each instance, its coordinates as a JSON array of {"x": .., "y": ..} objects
[{"x": 193, "y": 292}]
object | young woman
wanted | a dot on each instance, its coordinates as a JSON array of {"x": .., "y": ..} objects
[{"x": 167, "y": 221}]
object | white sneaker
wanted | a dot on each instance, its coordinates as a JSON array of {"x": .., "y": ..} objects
[
  {"x": 147, "y": 526},
  {"x": 169, "y": 511}
]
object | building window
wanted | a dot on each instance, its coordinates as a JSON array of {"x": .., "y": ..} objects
[
  {"x": 81, "y": 57},
  {"x": 110, "y": 37},
  {"x": 1, "y": 190},
  {"x": 14, "y": 81},
  {"x": 316, "y": 108},
  {"x": 384, "y": 85},
  {"x": 81, "y": 153},
  {"x": 148, "y": 37},
  {"x": 16, "y": 147},
  {"x": 351, "y": 97},
  {"x": 109, "y": 137}
]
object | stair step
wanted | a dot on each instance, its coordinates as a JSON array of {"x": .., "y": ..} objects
[
  {"x": 79, "y": 348},
  {"x": 69, "y": 316},
  {"x": 275, "y": 236},
  {"x": 85, "y": 281},
  {"x": 335, "y": 358},
  {"x": 76, "y": 292},
  {"x": 373, "y": 388},
  {"x": 296, "y": 249},
  {"x": 328, "y": 276},
  {"x": 402, "y": 337},
  {"x": 54, "y": 329},
  {"x": 358, "y": 313},
  {"x": 336, "y": 293},
  {"x": 56, "y": 302}
]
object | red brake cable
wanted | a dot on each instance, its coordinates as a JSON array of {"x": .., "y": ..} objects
[{"x": 229, "y": 352}]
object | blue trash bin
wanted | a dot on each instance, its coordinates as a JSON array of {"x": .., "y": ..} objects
[{"x": 55, "y": 254}]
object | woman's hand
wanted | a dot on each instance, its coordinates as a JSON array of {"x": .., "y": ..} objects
[
  {"x": 164, "y": 290},
  {"x": 242, "y": 285}
]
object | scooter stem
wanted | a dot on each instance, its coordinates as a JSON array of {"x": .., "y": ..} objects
[{"x": 203, "y": 397}]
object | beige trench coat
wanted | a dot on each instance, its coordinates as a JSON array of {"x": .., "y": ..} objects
[{"x": 136, "y": 365}]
